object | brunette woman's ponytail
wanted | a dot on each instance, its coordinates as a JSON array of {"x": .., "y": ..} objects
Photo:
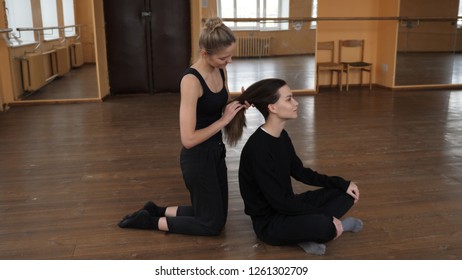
[
  {"x": 260, "y": 95},
  {"x": 233, "y": 130}
]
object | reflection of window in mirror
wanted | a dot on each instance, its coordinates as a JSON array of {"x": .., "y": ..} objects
[
  {"x": 19, "y": 14},
  {"x": 314, "y": 13},
  {"x": 49, "y": 18},
  {"x": 271, "y": 48},
  {"x": 69, "y": 17},
  {"x": 255, "y": 9},
  {"x": 459, "y": 14}
]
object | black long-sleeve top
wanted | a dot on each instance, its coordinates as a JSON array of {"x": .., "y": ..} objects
[{"x": 266, "y": 166}]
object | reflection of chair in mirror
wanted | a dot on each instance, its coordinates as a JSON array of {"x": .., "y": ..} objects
[
  {"x": 328, "y": 66},
  {"x": 351, "y": 55}
]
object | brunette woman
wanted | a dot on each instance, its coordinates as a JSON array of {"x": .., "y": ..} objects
[{"x": 269, "y": 161}]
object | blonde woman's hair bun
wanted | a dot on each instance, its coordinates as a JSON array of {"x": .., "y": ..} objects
[
  {"x": 215, "y": 35},
  {"x": 213, "y": 23}
]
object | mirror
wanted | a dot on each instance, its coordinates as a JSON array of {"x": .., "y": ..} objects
[
  {"x": 298, "y": 70},
  {"x": 291, "y": 57},
  {"x": 428, "y": 49},
  {"x": 268, "y": 49},
  {"x": 67, "y": 61}
]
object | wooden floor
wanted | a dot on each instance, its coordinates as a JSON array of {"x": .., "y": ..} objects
[
  {"x": 69, "y": 173},
  {"x": 428, "y": 68}
]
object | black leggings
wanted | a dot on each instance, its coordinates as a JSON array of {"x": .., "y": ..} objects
[
  {"x": 318, "y": 226},
  {"x": 205, "y": 175}
]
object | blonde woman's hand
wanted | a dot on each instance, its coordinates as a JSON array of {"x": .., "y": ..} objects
[
  {"x": 247, "y": 105},
  {"x": 231, "y": 110}
]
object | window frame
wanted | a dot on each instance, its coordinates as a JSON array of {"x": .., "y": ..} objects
[
  {"x": 261, "y": 12},
  {"x": 459, "y": 14},
  {"x": 51, "y": 19},
  {"x": 19, "y": 38},
  {"x": 314, "y": 13},
  {"x": 69, "y": 18}
]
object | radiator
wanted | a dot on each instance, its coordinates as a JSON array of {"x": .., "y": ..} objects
[
  {"x": 50, "y": 65},
  {"x": 63, "y": 64},
  {"x": 33, "y": 74},
  {"x": 253, "y": 46},
  {"x": 76, "y": 51},
  {"x": 38, "y": 69}
]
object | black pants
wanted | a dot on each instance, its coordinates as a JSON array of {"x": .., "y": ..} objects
[
  {"x": 318, "y": 226},
  {"x": 205, "y": 175}
]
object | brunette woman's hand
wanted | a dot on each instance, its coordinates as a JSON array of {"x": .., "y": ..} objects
[
  {"x": 353, "y": 191},
  {"x": 338, "y": 227}
]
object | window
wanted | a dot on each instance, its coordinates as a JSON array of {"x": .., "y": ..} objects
[
  {"x": 19, "y": 14},
  {"x": 255, "y": 9},
  {"x": 49, "y": 18},
  {"x": 314, "y": 14},
  {"x": 69, "y": 17},
  {"x": 459, "y": 14}
]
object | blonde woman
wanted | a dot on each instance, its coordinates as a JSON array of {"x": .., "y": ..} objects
[{"x": 204, "y": 112}]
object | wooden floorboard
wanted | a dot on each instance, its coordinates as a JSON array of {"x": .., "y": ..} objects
[{"x": 70, "y": 172}]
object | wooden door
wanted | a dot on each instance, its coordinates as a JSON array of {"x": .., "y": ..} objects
[{"x": 148, "y": 44}]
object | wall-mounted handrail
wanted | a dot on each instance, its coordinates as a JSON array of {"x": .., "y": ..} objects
[
  {"x": 4, "y": 33},
  {"x": 309, "y": 19},
  {"x": 39, "y": 31},
  {"x": 62, "y": 31},
  {"x": 60, "y": 28},
  {"x": 46, "y": 28},
  {"x": 77, "y": 27}
]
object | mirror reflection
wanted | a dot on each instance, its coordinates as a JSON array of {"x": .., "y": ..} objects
[
  {"x": 297, "y": 70},
  {"x": 57, "y": 60},
  {"x": 283, "y": 49},
  {"x": 429, "y": 50}
]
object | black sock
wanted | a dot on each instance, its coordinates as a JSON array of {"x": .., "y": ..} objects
[
  {"x": 141, "y": 220},
  {"x": 152, "y": 209}
]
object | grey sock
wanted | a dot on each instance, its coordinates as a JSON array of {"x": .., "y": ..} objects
[
  {"x": 313, "y": 248},
  {"x": 352, "y": 224}
]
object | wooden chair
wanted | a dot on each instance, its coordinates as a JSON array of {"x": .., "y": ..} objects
[
  {"x": 355, "y": 60},
  {"x": 328, "y": 66}
]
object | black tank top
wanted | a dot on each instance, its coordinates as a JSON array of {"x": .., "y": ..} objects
[{"x": 210, "y": 104}]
